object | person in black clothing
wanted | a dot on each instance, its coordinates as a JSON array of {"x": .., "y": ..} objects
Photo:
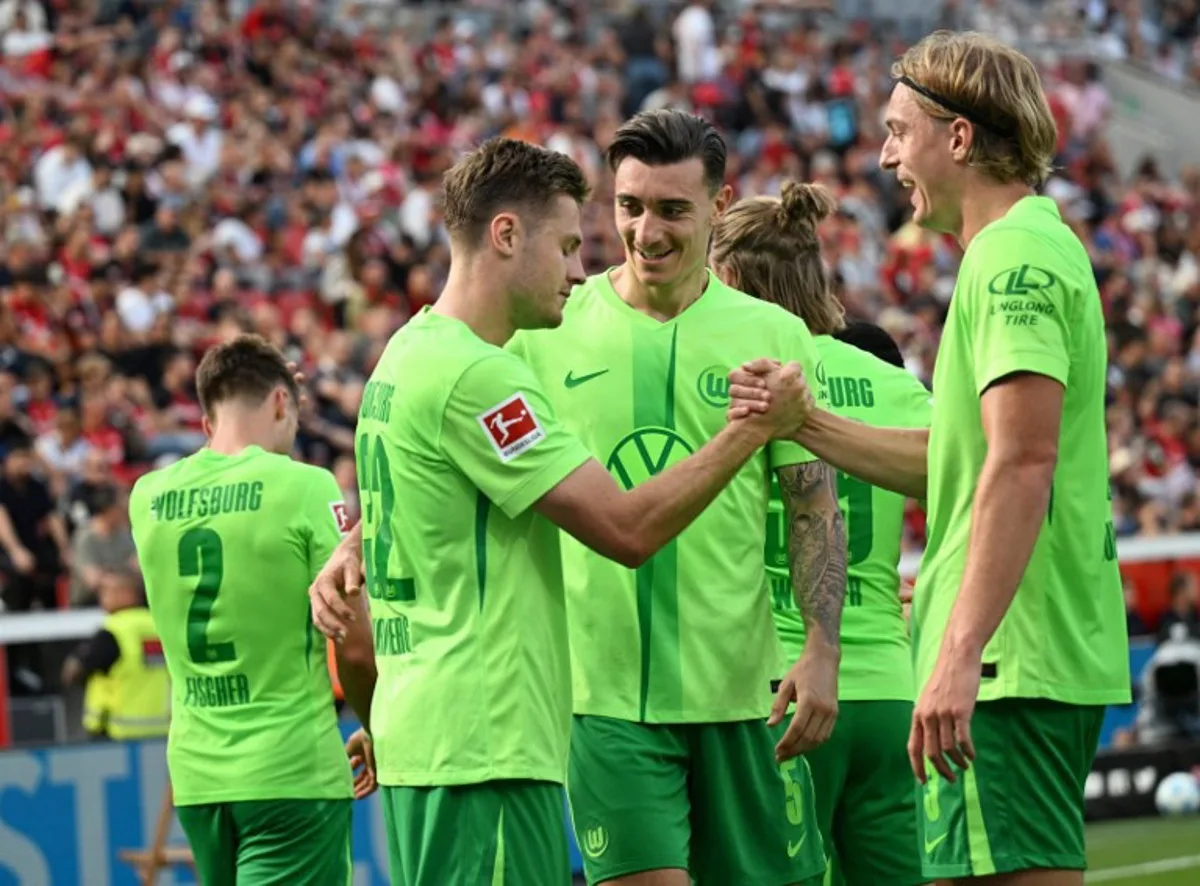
[
  {"x": 33, "y": 553},
  {"x": 1182, "y": 620}
]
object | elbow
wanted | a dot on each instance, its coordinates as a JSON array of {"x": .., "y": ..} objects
[{"x": 631, "y": 551}]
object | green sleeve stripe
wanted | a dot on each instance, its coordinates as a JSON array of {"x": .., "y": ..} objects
[{"x": 482, "y": 506}]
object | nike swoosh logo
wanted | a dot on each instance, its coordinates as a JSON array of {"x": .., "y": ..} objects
[
  {"x": 933, "y": 844},
  {"x": 794, "y": 848},
  {"x": 572, "y": 381}
]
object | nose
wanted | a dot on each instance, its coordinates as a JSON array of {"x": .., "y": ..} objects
[
  {"x": 888, "y": 158},
  {"x": 646, "y": 230},
  {"x": 575, "y": 274}
]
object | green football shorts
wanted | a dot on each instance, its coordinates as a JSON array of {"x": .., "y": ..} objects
[
  {"x": 704, "y": 797},
  {"x": 1020, "y": 804},
  {"x": 271, "y": 842},
  {"x": 864, "y": 789},
  {"x": 495, "y": 833}
]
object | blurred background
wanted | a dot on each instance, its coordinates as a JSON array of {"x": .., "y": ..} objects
[{"x": 173, "y": 172}]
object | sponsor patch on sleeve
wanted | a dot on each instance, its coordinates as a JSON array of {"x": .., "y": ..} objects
[
  {"x": 512, "y": 427},
  {"x": 341, "y": 516}
]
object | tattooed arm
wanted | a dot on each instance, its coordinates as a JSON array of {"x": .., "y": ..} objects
[
  {"x": 816, "y": 548},
  {"x": 817, "y": 554}
]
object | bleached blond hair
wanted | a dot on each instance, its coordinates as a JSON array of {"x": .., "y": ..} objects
[{"x": 992, "y": 86}]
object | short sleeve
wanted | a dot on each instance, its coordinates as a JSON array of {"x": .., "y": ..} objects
[
  {"x": 327, "y": 518},
  {"x": 796, "y": 345},
  {"x": 1017, "y": 299},
  {"x": 500, "y": 430}
]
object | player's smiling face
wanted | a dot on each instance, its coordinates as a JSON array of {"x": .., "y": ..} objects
[
  {"x": 664, "y": 216},
  {"x": 550, "y": 266},
  {"x": 918, "y": 149}
]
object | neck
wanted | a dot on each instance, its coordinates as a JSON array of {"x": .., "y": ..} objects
[
  {"x": 662, "y": 302},
  {"x": 984, "y": 203},
  {"x": 236, "y": 430},
  {"x": 472, "y": 295}
]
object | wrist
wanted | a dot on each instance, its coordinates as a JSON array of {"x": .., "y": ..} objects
[
  {"x": 962, "y": 647},
  {"x": 818, "y": 645}
]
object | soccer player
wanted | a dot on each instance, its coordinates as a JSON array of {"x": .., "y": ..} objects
[
  {"x": 228, "y": 540},
  {"x": 673, "y": 767},
  {"x": 1018, "y": 618},
  {"x": 768, "y": 247},
  {"x": 465, "y": 472}
]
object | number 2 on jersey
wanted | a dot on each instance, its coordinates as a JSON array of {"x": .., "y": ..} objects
[
  {"x": 375, "y": 476},
  {"x": 855, "y": 499},
  {"x": 202, "y": 556}
]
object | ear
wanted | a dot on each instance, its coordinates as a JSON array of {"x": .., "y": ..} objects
[
  {"x": 962, "y": 136},
  {"x": 206, "y": 426},
  {"x": 281, "y": 403},
  {"x": 505, "y": 233},
  {"x": 723, "y": 200}
]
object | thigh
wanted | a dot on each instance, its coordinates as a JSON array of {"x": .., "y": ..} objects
[
  {"x": 1020, "y": 805},
  {"x": 302, "y": 842},
  {"x": 211, "y": 835},
  {"x": 753, "y": 820},
  {"x": 876, "y": 830},
  {"x": 464, "y": 835},
  {"x": 627, "y": 785},
  {"x": 829, "y": 765}
]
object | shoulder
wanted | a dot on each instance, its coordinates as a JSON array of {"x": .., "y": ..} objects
[{"x": 1027, "y": 251}]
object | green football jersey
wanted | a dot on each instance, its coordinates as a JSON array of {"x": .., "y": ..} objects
[
  {"x": 228, "y": 546},
  {"x": 687, "y": 637},
  {"x": 1026, "y": 301},
  {"x": 876, "y": 657},
  {"x": 455, "y": 443}
]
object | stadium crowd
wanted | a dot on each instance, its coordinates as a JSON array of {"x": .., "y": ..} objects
[{"x": 172, "y": 172}]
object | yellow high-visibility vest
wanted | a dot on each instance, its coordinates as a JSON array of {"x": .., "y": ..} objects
[{"x": 139, "y": 689}]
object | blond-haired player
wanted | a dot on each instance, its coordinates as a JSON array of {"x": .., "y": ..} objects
[{"x": 1018, "y": 624}]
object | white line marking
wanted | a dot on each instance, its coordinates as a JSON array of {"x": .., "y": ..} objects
[{"x": 1183, "y": 863}]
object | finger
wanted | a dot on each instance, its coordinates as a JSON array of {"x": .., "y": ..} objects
[
  {"x": 326, "y": 624},
  {"x": 916, "y": 744},
  {"x": 356, "y": 761},
  {"x": 341, "y": 610},
  {"x": 793, "y": 741},
  {"x": 782, "y": 699},
  {"x": 933, "y": 748},
  {"x": 963, "y": 736},
  {"x": 352, "y": 577},
  {"x": 748, "y": 394},
  {"x": 761, "y": 366},
  {"x": 746, "y": 379},
  {"x": 949, "y": 728}
]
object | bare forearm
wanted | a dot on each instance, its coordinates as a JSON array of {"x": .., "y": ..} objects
[
  {"x": 1010, "y": 505},
  {"x": 890, "y": 458},
  {"x": 817, "y": 550},
  {"x": 661, "y": 508},
  {"x": 356, "y": 664}
]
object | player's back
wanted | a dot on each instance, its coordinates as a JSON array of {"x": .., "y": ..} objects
[
  {"x": 667, "y": 642},
  {"x": 228, "y": 545},
  {"x": 1026, "y": 301},
  {"x": 876, "y": 659},
  {"x": 454, "y": 445}
]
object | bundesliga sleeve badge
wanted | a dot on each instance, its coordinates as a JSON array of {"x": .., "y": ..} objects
[
  {"x": 512, "y": 427},
  {"x": 341, "y": 516}
]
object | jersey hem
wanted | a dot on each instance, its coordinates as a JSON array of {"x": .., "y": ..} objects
[
  {"x": 403, "y": 778},
  {"x": 681, "y": 717},
  {"x": 205, "y": 799},
  {"x": 1073, "y": 697}
]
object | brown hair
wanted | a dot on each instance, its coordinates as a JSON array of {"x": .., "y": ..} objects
[
  {"x": 768, "y": 248},
  {"x": 506, "y": 174},
  {"x": 994, "y": 87},
  {"x": 247, "y": 367}
]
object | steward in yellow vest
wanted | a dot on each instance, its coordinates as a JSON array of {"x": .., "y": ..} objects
[{"x": 128, "y": 693}]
